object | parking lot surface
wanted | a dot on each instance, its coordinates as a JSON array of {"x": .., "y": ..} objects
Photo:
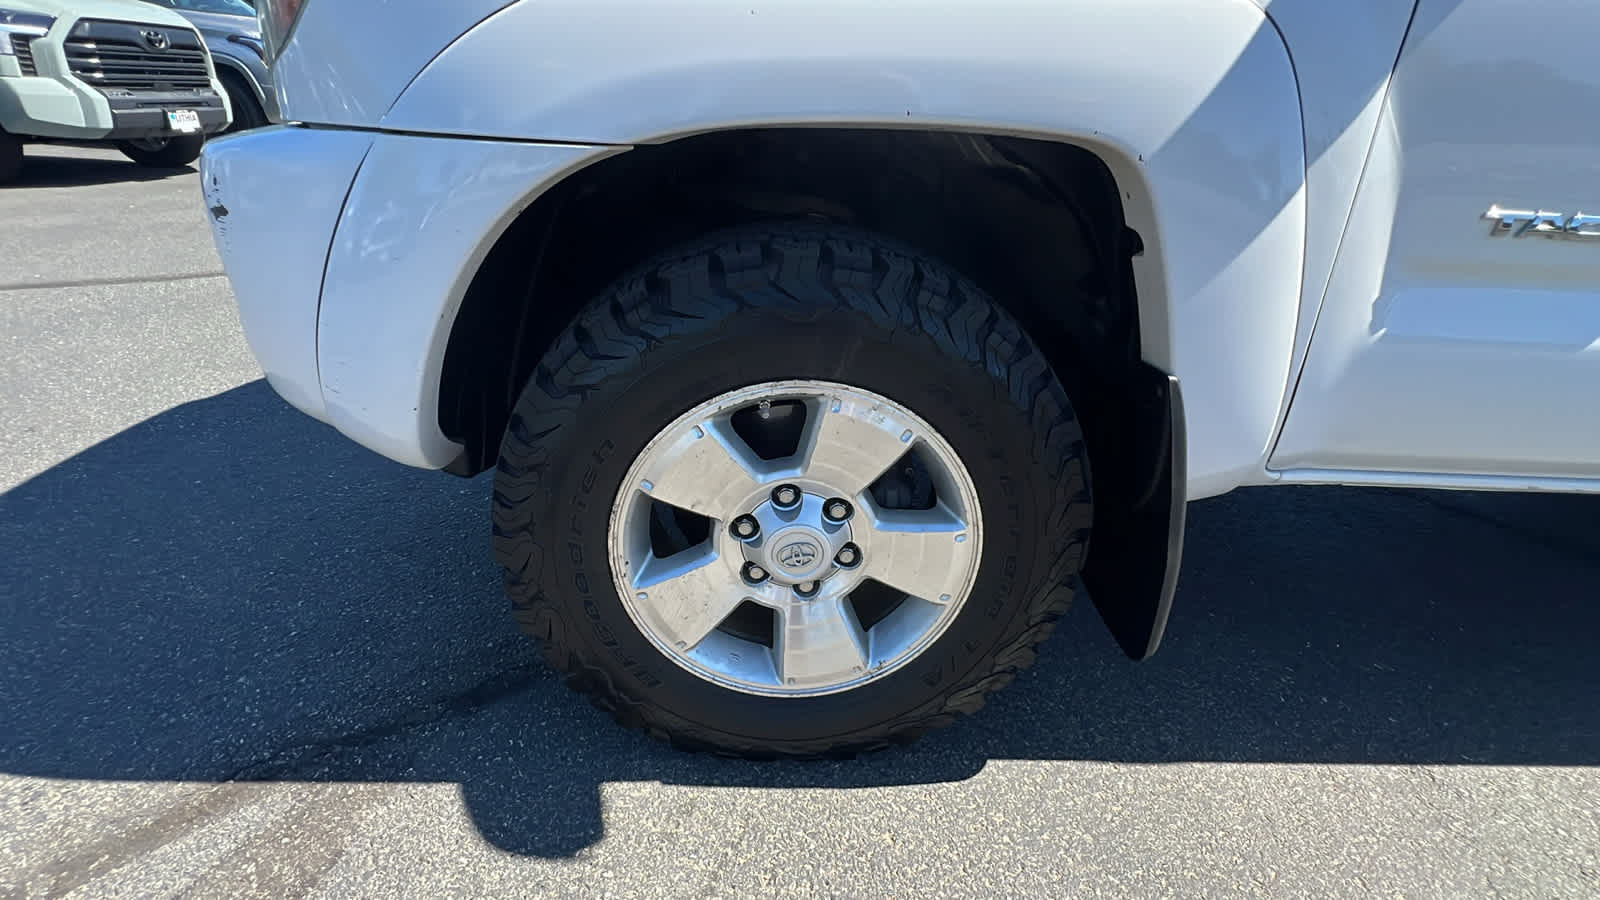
[{"x": 240, "y": 656}]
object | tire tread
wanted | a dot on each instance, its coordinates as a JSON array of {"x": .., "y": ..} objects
[{"x": 689, "y": 292}]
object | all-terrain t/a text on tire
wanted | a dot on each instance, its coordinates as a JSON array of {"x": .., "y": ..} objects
[{"x": 791, "y": 491}]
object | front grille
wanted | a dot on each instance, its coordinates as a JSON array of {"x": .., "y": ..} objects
[
  {"x": 130, "y": 57},
  {"x": 22, "y": 46}
]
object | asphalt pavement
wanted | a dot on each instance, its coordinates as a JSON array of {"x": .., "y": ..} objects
[{"x": 241, "y": 656}]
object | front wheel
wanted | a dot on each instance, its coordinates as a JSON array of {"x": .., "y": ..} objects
[
  {"x": 791, "y": 492},
  {"x": 164, "y": 152},
  {"x": 247, "y": 112}
]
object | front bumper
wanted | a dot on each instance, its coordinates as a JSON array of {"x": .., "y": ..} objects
[
  {"x": 350, "y": 252},
  {"x": 45, "y": 107},
  {"x": 145, "y": 115},
  {"x": 273, "y": 196},
  {"x": 51, "y": 108}
]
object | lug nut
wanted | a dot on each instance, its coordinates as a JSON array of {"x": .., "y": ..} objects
[
  {"x": 753, "y": 574},
  {"x": 807, "y": 589},
  {"x": 785, "y": 497},
  {"x": 848, "y": 557},
  {"x": 745, "y": 528},
  {"x": 837, "y": 511}
]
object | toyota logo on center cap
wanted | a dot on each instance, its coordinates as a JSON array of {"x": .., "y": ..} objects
[
  {"x": 798, "y": 555},
  {"x": 157, "y": 40}
]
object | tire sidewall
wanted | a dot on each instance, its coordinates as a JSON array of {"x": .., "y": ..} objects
[{"x": 969, "y": 407}]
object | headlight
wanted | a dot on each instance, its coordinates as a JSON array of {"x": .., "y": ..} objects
[
  {"x": 21, "y": 23},
  {"x": 278, "y": 18}
]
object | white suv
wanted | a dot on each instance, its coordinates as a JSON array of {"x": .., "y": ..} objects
[
  {"x": 123, "y": 72},
  {"x": 821, "y": 351}
]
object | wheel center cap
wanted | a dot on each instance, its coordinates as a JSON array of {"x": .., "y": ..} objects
[
  {"x": 797, "y": 553},
  {"x": 796, "y": 546}
]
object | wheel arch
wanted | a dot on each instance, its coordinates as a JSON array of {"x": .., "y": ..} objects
[
  {"x": 675, "y": 190},
  {"x": 1041, "y": 225},
  {"x": 228, "y": 66}
]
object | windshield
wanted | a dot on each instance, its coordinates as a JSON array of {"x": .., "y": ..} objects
[{"x": 225, "y": 7}]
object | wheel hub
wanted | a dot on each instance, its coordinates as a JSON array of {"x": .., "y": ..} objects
[{"x": 798, "y": 546}]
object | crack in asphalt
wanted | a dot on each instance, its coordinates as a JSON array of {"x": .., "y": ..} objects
[
  {"x": 111, "y": 281},
  {"x": 292, "y": 760}
]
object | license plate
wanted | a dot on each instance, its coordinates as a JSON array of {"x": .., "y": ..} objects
[{"x": 184, "y": 120}]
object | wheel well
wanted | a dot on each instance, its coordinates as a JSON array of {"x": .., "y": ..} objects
[
  {"x": 227, "y": 71},
  {"x": 1037, "y": 224}
]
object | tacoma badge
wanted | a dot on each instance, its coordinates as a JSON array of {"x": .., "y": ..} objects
[{"x": 1522, "y": 222}]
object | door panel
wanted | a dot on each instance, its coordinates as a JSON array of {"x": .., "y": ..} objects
[{"x": 1442, "y": 346}]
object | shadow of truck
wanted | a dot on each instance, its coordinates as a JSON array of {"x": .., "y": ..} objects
[{"x": 231, "y": 591}]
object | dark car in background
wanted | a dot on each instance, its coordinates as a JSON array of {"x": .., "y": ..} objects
[{"x": 232, "y": 32}]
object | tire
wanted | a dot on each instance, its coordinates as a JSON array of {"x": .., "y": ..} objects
[
  {"x": 247, "y": 112},
  {"x": 771, "y": 304},
  {"x": 164, "y": 153},
  {"x": 10, "y": 157}
]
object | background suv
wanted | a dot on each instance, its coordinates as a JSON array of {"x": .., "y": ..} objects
[
  {"x": 233, "y": 35},
  {"x": 119, "y": 71}
]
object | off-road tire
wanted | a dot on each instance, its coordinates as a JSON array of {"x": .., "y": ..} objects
[
  {"x": 768, "y": 303},
  {"x": 174, "y": 153}
]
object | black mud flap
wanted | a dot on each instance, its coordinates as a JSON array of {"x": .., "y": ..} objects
[{"x": 1137, "y": 543}]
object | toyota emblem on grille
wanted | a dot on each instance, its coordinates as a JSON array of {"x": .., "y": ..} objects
[
  {"x": 797, "y": 555},
  {"x": 157, "y": 40}
]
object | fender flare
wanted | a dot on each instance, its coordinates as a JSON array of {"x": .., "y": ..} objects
[{"x": 223, "y": 62}]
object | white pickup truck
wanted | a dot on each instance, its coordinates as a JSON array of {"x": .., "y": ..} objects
[{"x": 821, "y": 351}]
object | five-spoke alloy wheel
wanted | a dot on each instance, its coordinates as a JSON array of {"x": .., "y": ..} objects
[
  {"x": 800, "y": 538},
  {"x": 791, "y": 491}
]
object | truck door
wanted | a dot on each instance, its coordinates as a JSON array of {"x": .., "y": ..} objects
[{"x": 1459, "y": 334}]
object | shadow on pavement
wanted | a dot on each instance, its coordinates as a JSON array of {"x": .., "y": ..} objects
[
  {"x": 232, "y": 591},
  {"x": 40, "y": 169}
]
